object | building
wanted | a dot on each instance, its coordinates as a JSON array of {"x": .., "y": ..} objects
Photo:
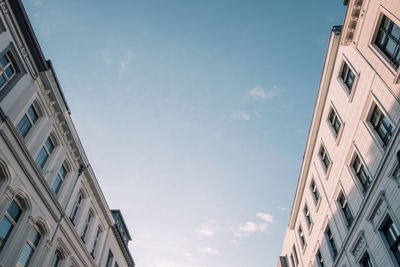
[
  {"x": 52, "y": 209},
  {"x": 346, "y": 209}
]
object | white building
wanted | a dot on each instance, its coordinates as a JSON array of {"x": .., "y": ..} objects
[
  {"x": 346, "y": 210},
  {"x": 52, "y": 210}
]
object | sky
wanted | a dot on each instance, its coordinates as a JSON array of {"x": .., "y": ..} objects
[{"x": 194, "y": 115}]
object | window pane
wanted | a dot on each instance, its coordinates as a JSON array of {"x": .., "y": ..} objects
[
  {"x": 390, "y": 47},
  {"x": 42, "y": 157},
  {"x": 26, "y": 255},
  {"x": 57, "y": 184},
  {"x": 34, "y": 237},
  {"x": 63, "y": 171},
  {"x": 32, "y": 114},
  {"x": 24, "y": 126},
  {"x": 4, "y": 61},
  {"x": 49, "y": 145},
  {"x": 14, "y": 211},
  {"x": 5, "y": 229},
  {"x": 9, "y": 71},
  {"x": 2, "y": 80}
]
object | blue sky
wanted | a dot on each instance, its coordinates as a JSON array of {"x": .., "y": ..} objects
[{"x": 194, "y": 115}]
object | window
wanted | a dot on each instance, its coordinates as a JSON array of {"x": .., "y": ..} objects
[
  {"x": 320, "y": 260},
  {"x": 110, "y": 259},
  {"x": 45, "y": 152},
  {"x": 335, "y": 121},
  {"x": 324, "y": 157},
  {"x": 56, "y": 259},
  {"x": 331, "y": 241},
  {"x": 388, "y": 41},
  {"x": 342, "y": 201},
  {"x": 9, "y": 221},
  {"x": 96, "y": 241},
  {"x": 27, "y": 121},
  {"x": 59, "y": 179},
  {"x": 29, "y": 247},
  {"x": 87, "y": 226},
  {"x": 392, "y": 235},
  {"x": 7, "y": 69},
  {"x": 361, "y": 173},
  {"x": 366, "y": 261},
  {"x": 301, "y": 236},
  {"x": 347, "y": 76},
  {"x": 292, "y": 260},
  {"x": 314, "y": 191},
  {"x": 296, "y": 259},
  {"x": 307, "y": 216},
  {"x": 381, "y": 125},
  {"x": 75, "y": 208}
]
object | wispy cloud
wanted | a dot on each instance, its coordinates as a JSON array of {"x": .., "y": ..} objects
[
  {"x": 241, "y": 115},
  {"x": 209, "y": 250},
  {"x": 261, "y": 93},
  {"x": 123, "y": 64},
  {"x": 282, "y": 208},
  {"x": 207, "y": 229},
  {"x": 249, "y": 228}
]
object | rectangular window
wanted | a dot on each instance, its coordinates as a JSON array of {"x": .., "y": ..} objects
[
  {"x": 392, "y": 235},
  {"x": 307, "y": 216},
  {"x": 347, "y": 76},
  {"x": 27, "y": 121},
  {"x": 29, "y": 248},
  {"x": 296, "y": 258},
  {"x": 301, "y": 236},
  {"x": 335, "y": 121},
  {"x": 59, "y": 179},
  {"x": 110, "y": 259},
  {"x": 366, "y": 261},
  {"x": 320, "y": 260},
  {"x": 45, "y": 152},
  {"x": 75, "y": 208},
  {"x": 381, "y": 126},
  {"x": 388, "y": 41},
  {"x": 95, "y": 243},
  {"x": 7, "y": 70},
  {"x": 342, "y": 201},
  {"x": 87, "y": 226},
  {"x": 361, "y": 174},
  {"x": 331, "y": 241},
  {"x": 314, "y": 191},
  {"x": 324, "y": 157}
]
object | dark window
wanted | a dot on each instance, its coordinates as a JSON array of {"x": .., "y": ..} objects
[
  {"x": 75, "y": 208},
  {"x": 314, "y": 191},
  {"x": 392, "y": 234},
  {"x": 296, "y": 259},
  {"x": 301, "y": 236},
  {"x": 87, "y": 226},
  {"x": 45, "y": 152},
  {"x": 334, "y": 121},
  {"x": 366, "y": 261},
  {"x": 8, "y": 222},
  {"x": 347, "y": 76},
  {"x": 361, "y": 173},
  {"x": 324, "y": 157},
  {"x": 320, "y": 260},
  {"x": 59, "y": 179},
  {"x": 29, "y": 247},
  {"x": 95, "y": 243},
  {"x": 56, "y": 259},
  {"x": 307, "y": 216},
  {"x": 388, "y": 40},
  {"x": 27, "y": 121},
  {"x": 7, "y": 69},
  {"x": 331, "y": 241},
  {"x": 342, "y": 201},
  {"x": 381, "y": 125},
  {"x": 110, "y": 259}
]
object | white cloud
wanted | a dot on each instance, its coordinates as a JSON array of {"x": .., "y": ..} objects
[
  {"x": 241, "y": 115},
  {"x": 249, "y": 228},
  {"x": 107, "y": 60},
  {"x": 123, "y": 64},
  {"x": 207, "y": 229},
  {"x": 261, "y": 93},
  {"x": 282, "y": 208},
  {"x": 209, "y": 250}
]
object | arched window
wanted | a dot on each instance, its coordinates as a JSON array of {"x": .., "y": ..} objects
[
  {"x": 29, "y": 119},
  {"x": 46, "y": 150},
  {"x": 75, "y": 208},
  {"x": 96, "y": 242},
  {"x": 87, "y": 226},
  {"x": 56, "y": 259},
  {"x": 30, "y": 246},
  {"x": 62, "y": 173},
  {"x": 9, "y": 221}
]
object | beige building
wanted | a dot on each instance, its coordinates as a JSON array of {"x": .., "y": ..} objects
[
  {"x": 346, "y": 210},
  {"x": 52, "y": 210}
]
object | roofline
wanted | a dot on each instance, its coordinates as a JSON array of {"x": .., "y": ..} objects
[
  {"x": 329, "y": 63},
  {"x": 50, "y": 65},
  {"x": 123, "y": 221},
  {"x": 27, "y": 31}
]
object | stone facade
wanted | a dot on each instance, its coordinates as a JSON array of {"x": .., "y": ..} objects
[
  {"x": 52, "y": 210},
  {"x": 346, "y": 209}
]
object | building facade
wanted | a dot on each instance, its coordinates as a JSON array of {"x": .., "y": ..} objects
[
  {"x": 52, "y": 209},
  {"x": 346, "y": 209}
]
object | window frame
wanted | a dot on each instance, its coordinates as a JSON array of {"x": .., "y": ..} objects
[
  {"x": 76, "y": 207},
  {"x": 361, "y": 174},
  {"x": 86, "y": 228},
  {"x": 61, "y": 178},
  {"x": 302, "y": 238},
  {"x": 331, "y": 242},
  {"x": 34, "y": 247},
  {"x": 336, "y": 133},
  {"x": 348, "y": 91},
  {"x": 314, "y": 190},
  {"x": 323, "y": 156},
  {"x": 19, "y": 70},
  {"x": 13, "y": 222},
  {"x": 308, "y": 217},
  {"x": 343, "y": 207},
  {"x": 390, "y": 247},
  {"x": 384, "y": 141},
  {"x": 378, "y": 47},
  {"x": 28, "y": 119},
  {"x": 46, "y": 150},
  {"x": 319, "y": 259}
]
